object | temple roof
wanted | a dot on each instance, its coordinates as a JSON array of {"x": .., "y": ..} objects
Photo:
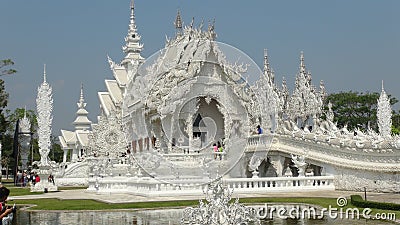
[
  {"x": 114, "y": 90},
  {"x": 68, "y": 136},
  {"x": 83, "y": 137},
  {"x": 106, "y": 102}
]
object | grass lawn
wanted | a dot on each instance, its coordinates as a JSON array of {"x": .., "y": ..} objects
[
  {"x": 56, "y": 204},
  {"x": 18, "y": 190}
]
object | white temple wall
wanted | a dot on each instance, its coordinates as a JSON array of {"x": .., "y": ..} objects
[
  {"x": 356, "y": 180},
  {"x": 74, "y": 155}
]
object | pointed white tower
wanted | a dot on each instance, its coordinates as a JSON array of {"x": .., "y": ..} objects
[
  {"x": 82, "y": 122},
  {"x": 302, "y": 64},
  {"x": 267, "y": 69},
  {"x": 25, "y": 124},
  {"x": 44, "y": 107},
  {"x": 384, "y": 114},
  {"x": 132, "y": 47},
  {"x": 178, "y": 23},
  {"x": 25, "y": 140}
]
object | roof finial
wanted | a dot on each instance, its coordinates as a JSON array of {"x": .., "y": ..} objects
[
  {"x": 178, "y": 20},
  {"x": 192, "y": 23},
  {"x": 178, "y": 23},
  {"x": 382, "y": 86},
  {"x": 81, "y": 103},
  {"x": 132, "y": 12},
  {"x": 211, "y": 30},
  {"x": 267, "y": 69},
  {"x": 302, "y": 65},
  {"x": 44, "y": 73},
  {"x": 81, "y": 99}
]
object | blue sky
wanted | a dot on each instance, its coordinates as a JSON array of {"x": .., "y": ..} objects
[{"x": 351, "y": 45}]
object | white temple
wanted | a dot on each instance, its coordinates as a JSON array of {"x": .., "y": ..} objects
[{"x": 160, "y": 118}]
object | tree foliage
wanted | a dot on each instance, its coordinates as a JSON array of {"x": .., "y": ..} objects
[
  {"x": 4, "y": 63},
  {"x": 3, "y": 94},
  {"x": 396, "y": 123},
  {"x": 355, "y": 109},
  {"x": 3, "y": 104}
]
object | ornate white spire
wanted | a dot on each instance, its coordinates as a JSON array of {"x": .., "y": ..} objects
[
  {"x": 267, "y": 68},
  {"x": 44, "y": 107},
  {"x": 384, "y": 114},
  {"x": 44, "y": 73},
  {"x": 132, "y": 46},
  {"x": 25, "y": 124},
  {"x": 284, "y": 95},
  {"x": 302, "y": 65},
  {"x": 304, "y": 104},
  {"x": 82, "y": 122},
  {"x": 178, "y": 23},
  {"x": 268, "y": 97},
  {"x": 81, "y": 103}
]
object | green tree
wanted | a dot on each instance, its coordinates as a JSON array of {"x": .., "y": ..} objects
[
  {"x": 3, "y": 67},
  {"x": 3, "y": 104},
  {"x": 56, "y": 153},
  {"x": 396, "y": 122},
  {"x": 355, "y": 109}
]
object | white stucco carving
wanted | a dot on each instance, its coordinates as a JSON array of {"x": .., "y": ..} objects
[
  {"x": 384, "y": 115},
  {"x": 44, "y": 104}
]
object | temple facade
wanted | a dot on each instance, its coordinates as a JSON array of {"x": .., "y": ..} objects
[{"x": 188, "y": 116}]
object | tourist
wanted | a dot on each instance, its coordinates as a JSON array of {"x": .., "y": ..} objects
[
  {"x": 259, "y": 130},
  {"x": 4, "y": 209},
  {"x": 33, "y": 179},
  {"x": 50, "y": 179},
  {"x": 220, "y": 150},
  {"x": 215, "y": 148},
  {"x": 24, "y": 179},
  {"x": 37, "y": 178},
  {"x": 19, "y": 178}
]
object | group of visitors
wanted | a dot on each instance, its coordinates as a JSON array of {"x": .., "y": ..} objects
[
  {"x": 218, "y": 149},
  {"x": 23, "y": 178}
]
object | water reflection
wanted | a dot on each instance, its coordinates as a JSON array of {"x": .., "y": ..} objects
[{"x": 145, "y": 217}]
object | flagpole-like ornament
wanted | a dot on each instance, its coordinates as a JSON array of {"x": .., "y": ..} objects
[
  {"x": 44, "y": 107},
  {"x": 218, "y": 210}
]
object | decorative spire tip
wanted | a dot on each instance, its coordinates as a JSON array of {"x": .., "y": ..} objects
[{"x": 44, "y": 73}]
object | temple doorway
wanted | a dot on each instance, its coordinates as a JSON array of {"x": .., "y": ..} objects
[{"x": 208, "y": 124}]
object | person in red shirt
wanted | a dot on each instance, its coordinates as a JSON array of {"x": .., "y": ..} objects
[{"x": 37, "y": 178}]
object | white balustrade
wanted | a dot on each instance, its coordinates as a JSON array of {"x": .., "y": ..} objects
[
  {"x": 259, "y": 140},
  {"x": 147, "y": 186}
]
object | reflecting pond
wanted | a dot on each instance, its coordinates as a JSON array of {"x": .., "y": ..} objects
[{"x": 145, "y": 217}]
